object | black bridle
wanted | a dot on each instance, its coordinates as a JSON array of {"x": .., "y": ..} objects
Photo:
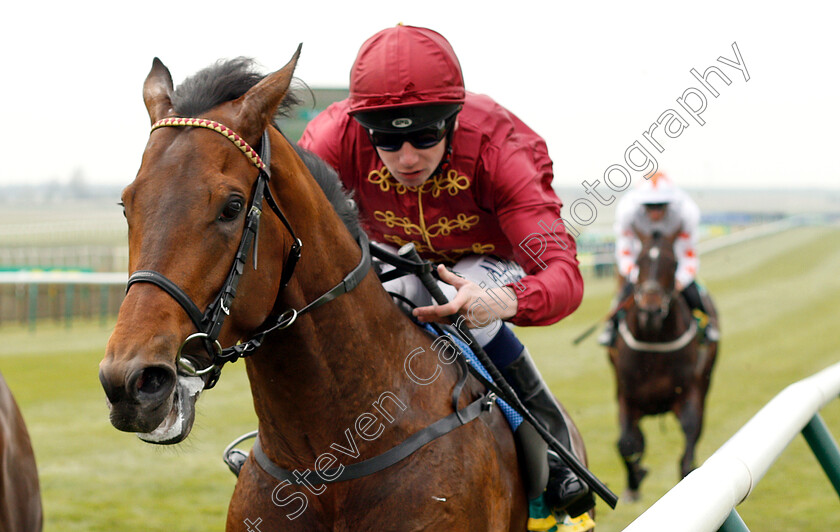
[
  {"x": 653, "y": 286},
  {"x": 209, "y": 323}
]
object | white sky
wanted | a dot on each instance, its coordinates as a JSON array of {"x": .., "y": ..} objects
[{"x": 73, "y": 75}]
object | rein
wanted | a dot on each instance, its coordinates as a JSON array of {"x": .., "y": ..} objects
[{"x": 209, "y": 323}]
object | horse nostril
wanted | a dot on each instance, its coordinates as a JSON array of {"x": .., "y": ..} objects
[
  {"x": 152, "y": 383},
  {"x": 151, "y": 380}
]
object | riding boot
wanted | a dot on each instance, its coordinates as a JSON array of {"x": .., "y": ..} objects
[
  {"x": 565, "y": 491},
  {"x": 712, "y": 329},
  {"x": 698, "y": 300},
  {"x": 608, "y": 335}
]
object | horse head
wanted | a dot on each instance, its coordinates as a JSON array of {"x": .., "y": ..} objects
[
  {"x": 656, "y": 285},
  {"x": 189, "y": 211}
]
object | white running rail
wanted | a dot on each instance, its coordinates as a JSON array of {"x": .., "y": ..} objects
[
  {"x": 705, "y": 498},
  {"x": 62, "y": 277}
]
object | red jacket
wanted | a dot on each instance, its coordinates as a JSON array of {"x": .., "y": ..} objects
[{"x": 488, "y": 199}]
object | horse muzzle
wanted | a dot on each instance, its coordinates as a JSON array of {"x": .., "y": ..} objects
[
  {"x": 177, "y": 424},
  {"x": 152, "y": 401},
  {"x": 653, "y": 304},
  {"x": 139, "y": 400}
]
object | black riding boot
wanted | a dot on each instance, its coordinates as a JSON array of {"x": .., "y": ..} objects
[
  {"x": 565, "y": 490},
  {"x": 698, "y": 300}
]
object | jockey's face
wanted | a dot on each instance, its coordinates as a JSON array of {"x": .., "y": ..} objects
[
  {"x": 656, "y": 211},
  {"x": 412, "y": 166}
]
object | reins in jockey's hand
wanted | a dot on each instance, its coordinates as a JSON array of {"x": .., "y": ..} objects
[
  {"x": 402, "y": 265},
  {"x": 504, "y": 390},
  {"x": 209, "y": 323}
]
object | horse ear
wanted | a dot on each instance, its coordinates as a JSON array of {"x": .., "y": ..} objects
[
  {"x": 157, "y": 91},
  {"x": 258, "y": 105}
]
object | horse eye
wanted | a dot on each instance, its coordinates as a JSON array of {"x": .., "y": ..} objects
[
  {"x": 231, "y": 210},
  {"x": 121, "y": 204}
]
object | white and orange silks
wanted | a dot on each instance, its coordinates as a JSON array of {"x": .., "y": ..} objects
[{"x": 682, "y": 215}]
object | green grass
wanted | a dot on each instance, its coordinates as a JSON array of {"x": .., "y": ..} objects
[
  {"x": 94, "y": 478},
  {"x": 777, "y": 297}
]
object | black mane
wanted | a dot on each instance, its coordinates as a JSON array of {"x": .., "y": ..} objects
[
  {"x": 221, "y": 82},
  {"x": 338, "y": 196},
  {"x": 227, "y": 80}
]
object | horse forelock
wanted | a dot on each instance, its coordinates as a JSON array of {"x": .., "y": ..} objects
[{"x": 223, "y": 81}]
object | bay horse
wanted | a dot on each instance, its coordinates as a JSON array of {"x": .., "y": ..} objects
[
  {"x": 337, "y": 372},
  {"x": 20, "y": 493},
  {"x": 660, "y": 363}
]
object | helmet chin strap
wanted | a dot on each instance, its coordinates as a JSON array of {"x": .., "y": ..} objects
[{"x": 447, "y": 154}]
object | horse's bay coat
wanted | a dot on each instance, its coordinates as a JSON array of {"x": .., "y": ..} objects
[
  {"x": 313, "y": 381},
  {"x": 20, "y": 496}
]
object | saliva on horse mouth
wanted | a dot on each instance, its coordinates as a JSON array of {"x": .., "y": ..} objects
[{"x": 177, "y": 424}]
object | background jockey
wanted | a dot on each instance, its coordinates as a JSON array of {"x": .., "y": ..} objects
[
  {"x": 658, "y": 205},
  {"x": 467, "y": 182}
]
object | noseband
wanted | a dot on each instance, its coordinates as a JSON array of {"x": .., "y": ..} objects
[
  {"x": 649, "y": 287},
  {"x": 209, "y": 323}
]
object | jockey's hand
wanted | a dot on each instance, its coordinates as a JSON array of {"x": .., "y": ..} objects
[{"x": 471, "y": 301}]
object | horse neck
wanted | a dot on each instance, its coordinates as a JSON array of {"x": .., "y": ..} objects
[{"x": 312, "y": 380}]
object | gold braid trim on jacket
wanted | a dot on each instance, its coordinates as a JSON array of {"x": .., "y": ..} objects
[{"x": 448, "y": 181}]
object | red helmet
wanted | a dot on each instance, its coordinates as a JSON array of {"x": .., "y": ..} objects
[{"x": 408, "y": 71}]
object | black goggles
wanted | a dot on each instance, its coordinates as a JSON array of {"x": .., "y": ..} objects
[
  {"x": 422, "y": 139},
  {"x": 656, "y": 206}
]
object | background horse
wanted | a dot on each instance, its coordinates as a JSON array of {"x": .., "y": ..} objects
[
  {"x": 20, "y": 495},
  {"x": 333, "y": 385},
  {"x": 660, "y": 364}
]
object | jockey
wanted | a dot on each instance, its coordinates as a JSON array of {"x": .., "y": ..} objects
[
  {"x": 658, "y": 205},
  {"x": 467, "y": 182}
]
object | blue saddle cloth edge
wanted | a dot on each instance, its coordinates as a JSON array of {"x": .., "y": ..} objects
[{"x": 513, "y": 417}]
